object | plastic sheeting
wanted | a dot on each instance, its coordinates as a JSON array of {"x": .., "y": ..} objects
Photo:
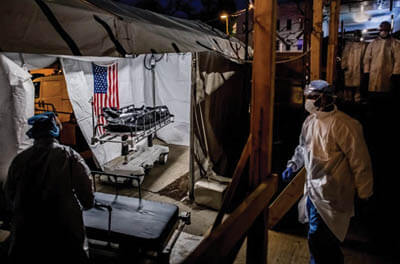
[
  {"x": 16, "y": 106},
  {"x": 221, "y": 116},
  {"x": 172, "y": 88}
]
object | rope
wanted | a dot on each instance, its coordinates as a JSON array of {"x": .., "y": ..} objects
[{"x": 294, "y": 59}]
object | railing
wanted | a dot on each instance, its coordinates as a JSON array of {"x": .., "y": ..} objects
[{"x": 218, "y": 246}]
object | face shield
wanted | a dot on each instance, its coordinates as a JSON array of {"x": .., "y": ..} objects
[
  {"x": 318, "y": 87},
  {"x": 318, "y": 95}
]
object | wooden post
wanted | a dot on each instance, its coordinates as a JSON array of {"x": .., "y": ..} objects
[
  {"x": 262, "y": 106},
  {"x": 307, "y": 28},
  {"x": 333, "y": 40},
  {"x": 316, "y": 40}
]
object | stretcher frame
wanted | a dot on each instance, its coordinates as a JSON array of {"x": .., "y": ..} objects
[
  {"x": 132, "y": 137},
  {"x": 129, "y": 140},
  {"x": 163, "y": 254}
]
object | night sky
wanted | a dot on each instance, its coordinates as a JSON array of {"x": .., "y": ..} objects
[{"x": 196, "y": 4}]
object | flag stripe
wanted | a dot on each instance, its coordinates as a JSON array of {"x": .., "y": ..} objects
[
  {"x": 109, "y": 86},
  {"x": 105, "y": 91},
  {"x": 116, "y": 87}
]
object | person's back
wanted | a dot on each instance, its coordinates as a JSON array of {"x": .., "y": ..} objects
[{"x": 44, "y": 185}]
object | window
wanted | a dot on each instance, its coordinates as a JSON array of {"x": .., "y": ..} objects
[
  {"x": 289, "y": 24},
  {"x": 299, "y": 44},
  {"x": 37, "y": 89},
  {"x": 301, "y": 23},
  {"x": 278, "y": 25}
]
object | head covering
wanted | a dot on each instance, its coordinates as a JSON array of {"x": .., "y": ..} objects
[
  {"x": 318, "y": 86},
  {"x": 385, "y": 26},
  {"x": 43, "y": 125}
]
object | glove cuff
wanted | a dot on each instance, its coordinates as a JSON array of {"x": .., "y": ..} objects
[{"x": 292, "y": 165}]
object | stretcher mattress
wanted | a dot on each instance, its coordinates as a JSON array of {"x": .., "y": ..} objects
[
  {"x": 132, "y": 119},
  {"x": 148, "y": 226}
]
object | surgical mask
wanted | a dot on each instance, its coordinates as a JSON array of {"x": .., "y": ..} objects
[
  {"x": 310, "y": 106},
  {"x": 383, "y": 34}
]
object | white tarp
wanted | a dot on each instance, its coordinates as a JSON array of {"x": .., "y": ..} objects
[
  {"x": 173, "y": 85},
  {"x": 16, "y": 106}
]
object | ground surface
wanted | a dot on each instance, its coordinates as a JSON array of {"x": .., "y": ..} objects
[{"x": 168, "y": 183}]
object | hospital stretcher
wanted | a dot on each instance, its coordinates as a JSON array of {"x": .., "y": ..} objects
[
  {"x": 120, "y": 225},
  {"x": 129, "y": 126}
]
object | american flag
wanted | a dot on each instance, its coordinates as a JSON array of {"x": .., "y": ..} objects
[{"x": 105, "y": 90}]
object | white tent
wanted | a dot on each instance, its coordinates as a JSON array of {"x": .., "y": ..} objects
[
  {"x": 173, "y": 85},
  {"x": 199, "y": 65}
]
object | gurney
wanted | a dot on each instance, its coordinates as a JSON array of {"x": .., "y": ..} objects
[
  {"x": 129, "y": 126},
  {"x": 119, "y": 225},
  {"x": 132, "y": 119}
]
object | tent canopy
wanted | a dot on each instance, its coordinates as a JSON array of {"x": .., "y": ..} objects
[{"x": 104, "y": 28}]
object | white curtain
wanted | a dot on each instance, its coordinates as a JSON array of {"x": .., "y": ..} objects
[
  {"x": 16, "y": 106},
  {"x": 173, "y": 84}
]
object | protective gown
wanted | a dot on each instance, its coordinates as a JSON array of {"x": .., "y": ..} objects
[
  {"x": 381, "y": 60},
  {"x": 352, "y": 59},
  {"x": 333, "y": 151},
  {"x": 47, "y": 185}
]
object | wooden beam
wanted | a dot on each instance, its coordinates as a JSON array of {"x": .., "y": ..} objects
[
  {"x": 316, "y": 40},
  {"x": 287, "y": 198},
  {"x": 262, "y": 108},
  {"x": 333, "y": 40},
  {"x": 262, "y": 103},
  {"x": 306, "y": 39},
  {"x": 217, "y": 246},
  {"x": 235, "y": 182}
]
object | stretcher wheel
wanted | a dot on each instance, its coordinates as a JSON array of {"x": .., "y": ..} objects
[{"x": 163, "y": 158}]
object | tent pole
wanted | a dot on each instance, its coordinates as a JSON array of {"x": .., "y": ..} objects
[
  {"x": 195, "y": 61},
  {"x": 333, "y": 40}
]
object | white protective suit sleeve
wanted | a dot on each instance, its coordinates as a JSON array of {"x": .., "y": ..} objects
[
  {"x": 80, "y": 179},
  {"x": 351, "y": 142},
  {"x": 367, "y": 59},
  {"x": 396, "y": 56},
  {"x": 297, "y": 160}
]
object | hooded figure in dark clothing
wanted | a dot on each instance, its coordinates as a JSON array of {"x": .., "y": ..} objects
[{"x": 47, "y": 187}]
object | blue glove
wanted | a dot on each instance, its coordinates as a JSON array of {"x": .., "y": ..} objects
[{"x": 287, "y": 175}]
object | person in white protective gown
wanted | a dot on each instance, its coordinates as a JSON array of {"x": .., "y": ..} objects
[
  {"x": 382, "y": 60},
  {"x": 48, "y": 184},
  {"x": 352, "y": 58},
  {"x": 333, "y": 152}
]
